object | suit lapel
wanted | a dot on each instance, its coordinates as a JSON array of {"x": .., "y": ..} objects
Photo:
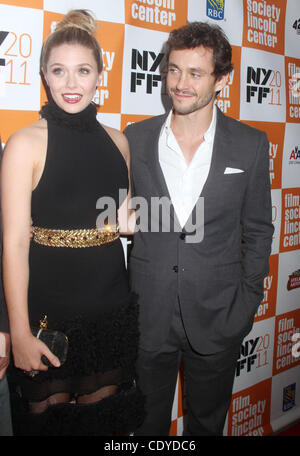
[
  {"x": 153, "y": 162},
  {"x": 152, "y": 158},
  {"x": 221, "y": 148}
]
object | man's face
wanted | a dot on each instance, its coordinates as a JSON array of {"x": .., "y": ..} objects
[{"x": 190, "y": 81}]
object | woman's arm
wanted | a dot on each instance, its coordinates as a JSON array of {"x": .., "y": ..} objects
[
  {"x": 126, "y": 216},
  {"x": 21, "y": 160}
]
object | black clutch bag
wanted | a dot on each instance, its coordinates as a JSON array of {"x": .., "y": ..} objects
[{"x": 56, "y": 341}]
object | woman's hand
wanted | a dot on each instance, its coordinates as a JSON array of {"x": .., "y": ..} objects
[{"x": 27, "y": 353}]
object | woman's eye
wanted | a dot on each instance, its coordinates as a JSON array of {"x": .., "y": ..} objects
[
  {"x": 57, "y": 70},
  {"x": 84, "y": 70}
]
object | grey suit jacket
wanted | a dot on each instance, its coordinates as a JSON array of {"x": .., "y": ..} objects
[
  {"x": 219, "y": 281},
  {"x": 4, "y": 326}
]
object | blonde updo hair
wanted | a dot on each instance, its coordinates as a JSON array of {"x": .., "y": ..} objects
[{"x": 77, "y": 27}]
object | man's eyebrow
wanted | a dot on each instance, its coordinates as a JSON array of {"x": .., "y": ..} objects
[{"x": 197, "y": 69}]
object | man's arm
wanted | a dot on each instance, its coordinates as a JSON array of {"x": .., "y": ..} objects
[
  {"x": 257, "y": 227},
  {"x": 4, "y": 326}
]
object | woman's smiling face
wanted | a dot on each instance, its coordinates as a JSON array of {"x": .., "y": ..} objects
[{"x": 72, "y": 76}]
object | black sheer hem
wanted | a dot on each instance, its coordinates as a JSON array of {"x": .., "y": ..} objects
[
  {"x": 119, "y": 414},
  {"x": 101, "y": 352},
  {"x": 74, "y": 385}
]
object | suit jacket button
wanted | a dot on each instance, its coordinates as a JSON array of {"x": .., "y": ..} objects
[
  {"x": 182, "y": 236},
  {"x": 175, "y": 268}
]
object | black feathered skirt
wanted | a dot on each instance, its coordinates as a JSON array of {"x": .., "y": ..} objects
[{"x": 101, "y": 352}]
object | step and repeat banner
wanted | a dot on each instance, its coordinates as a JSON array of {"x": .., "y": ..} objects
[{"x": 263, "y": 91}]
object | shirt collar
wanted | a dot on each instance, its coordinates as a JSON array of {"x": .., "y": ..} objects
[
  {"x": 166, "y": 128},
  {"x": 208, "y": 135}
]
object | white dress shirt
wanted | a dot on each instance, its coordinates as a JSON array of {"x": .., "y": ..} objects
[{"x": 185, "y": 181}]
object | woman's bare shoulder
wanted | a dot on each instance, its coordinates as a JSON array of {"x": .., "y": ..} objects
[
  {"x": 31, "y": 132},
  {"x": 28, "y": 139}
]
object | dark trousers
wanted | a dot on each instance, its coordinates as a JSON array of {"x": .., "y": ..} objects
[
  {"x": 5, "y": 414},
  {"x": 208, "y": 384}
]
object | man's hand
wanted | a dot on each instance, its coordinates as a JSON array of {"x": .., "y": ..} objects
[{"x": 4, "y": 353}]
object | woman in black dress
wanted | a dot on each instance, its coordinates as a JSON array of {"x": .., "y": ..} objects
[{"x": 73, "y": 270}]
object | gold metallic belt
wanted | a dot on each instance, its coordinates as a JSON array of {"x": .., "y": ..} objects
[{"x": 76, "y": 238}]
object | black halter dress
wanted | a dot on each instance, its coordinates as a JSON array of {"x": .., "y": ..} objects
[{"x": 83, "y": 291}]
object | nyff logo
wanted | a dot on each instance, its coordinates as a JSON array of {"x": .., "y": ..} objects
[
  {"x": 247, "y": 356},
  {"x": 147, "y": 62},
  {"x": 215, "y": 9},
  {"x": 3, "y": 35},
  {"x": 256, "y": 83}
]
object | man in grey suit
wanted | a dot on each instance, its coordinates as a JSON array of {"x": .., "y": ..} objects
[
  {"x": 198, "y": 299},
  {"x": 5, "y": 413}
]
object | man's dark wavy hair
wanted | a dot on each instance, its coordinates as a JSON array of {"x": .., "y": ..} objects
[{"x": 207, "y": 35}]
